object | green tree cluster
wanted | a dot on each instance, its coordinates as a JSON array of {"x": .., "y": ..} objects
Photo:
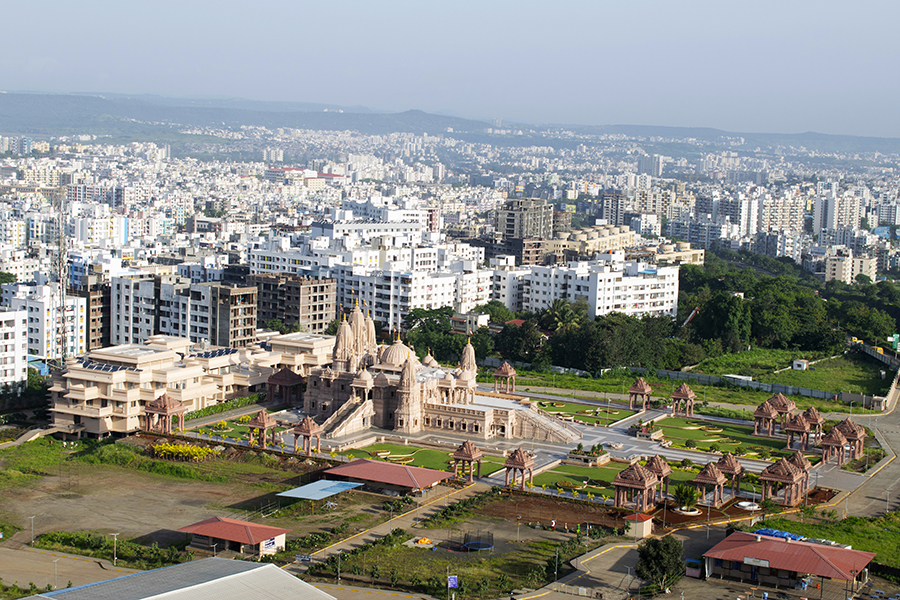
[{"x": 430, "y": 329}]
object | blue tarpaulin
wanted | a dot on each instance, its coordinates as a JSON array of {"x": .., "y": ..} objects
[{"x": 319, "y": 490}]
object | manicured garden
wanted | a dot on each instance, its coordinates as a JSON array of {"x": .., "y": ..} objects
[
  {"x": 710, "y": 436},
  {"x": 587, "y": 414},
  {"x": 236, "y": 430},
  {"x": 419, "y": 457}
]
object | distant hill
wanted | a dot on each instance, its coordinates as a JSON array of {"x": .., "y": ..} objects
[
  {"x": 810, "y": 140},
  {"x": 56, "y": 114}
]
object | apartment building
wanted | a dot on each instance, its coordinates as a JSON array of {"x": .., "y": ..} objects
[
  {"x": 47, "y": 318},
  {"x": 95, "y": 290},
  {"x": 632, "y": 288},
  {"x": 846, "y": 267},
  {"x": 306, "y": 302},
  {"x": 525, "y": 218},
  {"x": 13, "y": 347},
  {"x": 104, "y": 393}
]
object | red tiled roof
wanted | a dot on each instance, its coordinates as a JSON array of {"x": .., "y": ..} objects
[
  {"x": 639, "y": 517},
  {"x": 518, "y": 322},
  {"x": 388, "y": 473},
  {"x": 801, "y": 557},
  {"x": 234, "y": 531}
]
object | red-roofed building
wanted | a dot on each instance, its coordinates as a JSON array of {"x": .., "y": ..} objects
[
  {"x": 783, "y": 563},
  {"x": 219, "y": 534},
  {"x": 384, "y": 476}
]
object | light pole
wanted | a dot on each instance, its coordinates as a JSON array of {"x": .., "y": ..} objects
[
  {"x": 115, "y": 544},
  {"x": 214, "y": 549},
  {"x": 851, "y": 407},
  {"x": 55, "y": 575},
  {"x": 32, "y": 531},
  {"x": 339, "y": 566},
  {"x": 518, "y": 526}
]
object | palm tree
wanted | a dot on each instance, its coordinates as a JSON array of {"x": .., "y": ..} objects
[
  {"x": 561, "y": 316},
  {"x": 685, "y": 496}
]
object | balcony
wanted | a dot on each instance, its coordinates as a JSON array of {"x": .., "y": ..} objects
[
  {"x": 82, "y": 393},
  {"x": 93, "y": 412}
]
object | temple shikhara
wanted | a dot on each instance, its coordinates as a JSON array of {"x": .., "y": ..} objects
[{"x": 386, "y": 387}]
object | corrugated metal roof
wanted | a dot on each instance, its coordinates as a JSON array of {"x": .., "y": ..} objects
[
  {"x": 319, "y": 490},
  {"x": 234, "y": 530},
  {"x": 390, "y": 474},
  {"x": 208, "y": 579},
  {"x": 801, "y": 557}
]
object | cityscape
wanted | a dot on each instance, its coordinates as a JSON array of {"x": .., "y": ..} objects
[{"x": 282, "y": 340}]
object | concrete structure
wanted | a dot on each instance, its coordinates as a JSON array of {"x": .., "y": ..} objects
[
  {"x": 525, "y": 218},
  {"x": 46, "y": 318},
  {"x": 298, "y": 301},
  {"x": 635, "y": 484},
  {"x": 520, "y": 462},
  {"x": 13, "y": 348}
]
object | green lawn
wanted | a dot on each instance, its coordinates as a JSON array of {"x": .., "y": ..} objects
[
  {"x": 421, "y": 457},
  {"x": 851, "y": 373},
  {"x": 566, "y": 385},
  {"x": 586, "y": 413},
  {"x": 731, "y": 436},
  {"x": 754, "y": 363}
]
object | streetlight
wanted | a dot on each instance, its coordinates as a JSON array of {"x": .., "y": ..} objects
[
  {"x": 32, "y": 531},
  {"x": 339, "y": 566},
  {"x": 115, "y": 544},
  {"x": 55, "y": 575},
  {"x": 518, "y": 526}
]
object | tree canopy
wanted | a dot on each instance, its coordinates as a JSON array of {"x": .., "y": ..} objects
[{"x": 660, "y": 561}]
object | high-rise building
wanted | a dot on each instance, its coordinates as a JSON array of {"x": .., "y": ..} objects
[
  {"x": 13, "y": 347},
  {"x": 650, "y": 164},
  {"x": 47, "y": 318},
  {"x": 525, "y": 218},
  {"x": 305, "y": 302}
]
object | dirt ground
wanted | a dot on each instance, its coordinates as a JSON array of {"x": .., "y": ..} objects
[
  {"x": 117, "y": 500},
  {"x": 542, "y": 511}
]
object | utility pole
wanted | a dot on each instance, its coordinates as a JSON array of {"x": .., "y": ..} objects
[
  {"x": 115, "y": 544},
  {"x": 32, "y": 531}
]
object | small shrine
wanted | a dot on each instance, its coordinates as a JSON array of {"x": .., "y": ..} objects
[
  {"x": 285, "y": 386},
  {"x": 833, "y": 444},
  {"x": 635, "y": 484},
  {"x": 659, "y": 467},
  {"x": 764, "y": 419},
  {"x": 507, "y": 374},
  {"x": 641, "y": 391},
  {"x": 519, "y": 461},
  {"x": 783, "y": 475},
  {"x": 801, "y": 462},
  {"x": 683, "y": 400},
  {"x": 262, "y": 422},
  {"x": 305, "y": 431},
  {"x": 816, "y": 421},
  {"x": 469, "y": 455},
  {"x": 784, "y": 406},
  {"x": 710, "y": 475},
  {"x": 856, "y": 436},
  {"x": 730, "y": 465},
  {"x": 797, "y": 426},
  {"x": 163, "y": 409}
]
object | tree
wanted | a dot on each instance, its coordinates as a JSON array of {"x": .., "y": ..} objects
[
  {"x": 497, "y": 310},
  {"x": 863, "y": 278},
  {"x": 685, "y": 496},
  {"x": 660, "y": 561},
  {"x": 7, "y": 277}
]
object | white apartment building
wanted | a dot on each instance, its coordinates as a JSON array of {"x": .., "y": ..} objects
[
  {"x": 133, "y": 308},
  {"x": 845, "y": 267},
  {"x": 632, "y": 288},
  {"x": 45, "y": 319},
  {"x": 13, "y": 347}
]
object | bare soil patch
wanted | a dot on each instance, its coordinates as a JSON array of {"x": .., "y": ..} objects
[{"x": 542, "y": 511}]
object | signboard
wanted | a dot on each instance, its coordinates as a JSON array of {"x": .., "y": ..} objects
[
  {"x": 452, "y": 581},
  {"x": 303, "y": 558},
  {"x": 269, "y": 544},
  {"x": 756, "y": 562}
]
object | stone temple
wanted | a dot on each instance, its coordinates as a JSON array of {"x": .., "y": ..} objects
[{"x": 370, "y": 386}]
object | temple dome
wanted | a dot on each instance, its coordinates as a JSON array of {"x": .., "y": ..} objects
[{"x": 395, "y": 354}]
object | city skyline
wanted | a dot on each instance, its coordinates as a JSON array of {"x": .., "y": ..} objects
[{"x": 760, "y": 68}]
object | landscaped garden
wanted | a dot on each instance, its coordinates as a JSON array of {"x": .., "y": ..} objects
[
  {"x": 420, "y": 457},
  {"x": 587, "y": 414},
  {"x": 710, "y": 436},
  {"x": 236, "y": 430}
]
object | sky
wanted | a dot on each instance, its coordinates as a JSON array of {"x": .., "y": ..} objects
[{"x": 746, "y": 66}]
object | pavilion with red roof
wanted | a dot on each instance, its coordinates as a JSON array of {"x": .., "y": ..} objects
[
  {"x": 380, "y": 476},
  {"x": 218, "y": 534},
  {"x": 773, "y": 561}
]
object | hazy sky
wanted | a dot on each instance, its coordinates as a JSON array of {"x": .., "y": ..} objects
[{"x": 785, "y": 66}]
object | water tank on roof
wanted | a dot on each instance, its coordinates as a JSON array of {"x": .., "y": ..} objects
[{"x": 683, "y": 245}]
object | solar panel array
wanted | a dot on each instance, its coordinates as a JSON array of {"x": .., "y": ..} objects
[
  {"x": 87, "y": 364},
  {"x": 217, "y": 353}
]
